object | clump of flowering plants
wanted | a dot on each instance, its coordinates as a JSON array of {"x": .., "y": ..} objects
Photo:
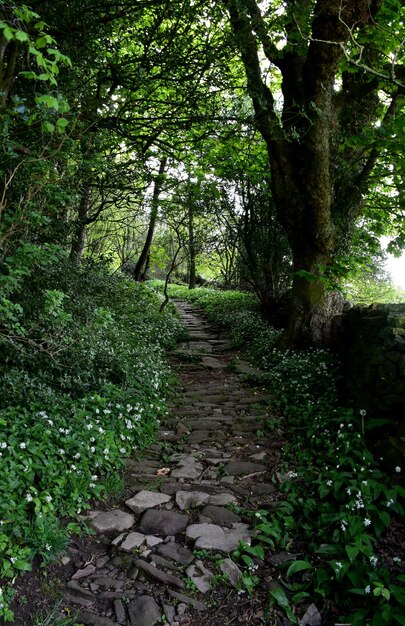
[
  {"x": 68, "y": 422},
  {"x": 339, "y": 500}
]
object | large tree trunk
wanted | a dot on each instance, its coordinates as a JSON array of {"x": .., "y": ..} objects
[
  {"x": 142, "y": 263},
  {"x": 301, "y": 151}
]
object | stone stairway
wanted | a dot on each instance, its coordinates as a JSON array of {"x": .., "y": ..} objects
[{"x": 148, "y": 562}]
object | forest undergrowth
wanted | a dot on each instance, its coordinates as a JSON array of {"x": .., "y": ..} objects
[
  {"x": 83, "y": 381},
  {"x": 342, "y": 513}
]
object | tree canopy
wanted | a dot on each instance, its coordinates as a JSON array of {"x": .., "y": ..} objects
[{"x": 279, "y": 124}]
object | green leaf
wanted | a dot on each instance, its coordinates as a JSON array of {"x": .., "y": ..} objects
[
  {"x": 22, "y": 36},
  {"x": 48, "y": 101},
  {"x": 279, "y": 595},
  {"x": 8, "y": 33},
  {"x": 29, "y": 75},
  {"x": 61, "y": 124},
  {"x": 399, "y": 618},
  {"x": 385, "y": 518},
  {"x": 47, "y": 127},
  {"x": 265, "y": 539},
  {"x": 43, "y": 41},
  {"x": 352, "y": 552},
  {"x": 300, "y": 596},
  {"x": 298, "y": 566},
  {"x": 22, "y": 566}
]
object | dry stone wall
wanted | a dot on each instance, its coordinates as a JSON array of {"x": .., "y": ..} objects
[{"x": 374, "y": 356}]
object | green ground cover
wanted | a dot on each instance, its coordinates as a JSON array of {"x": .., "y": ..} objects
[
  {"x": 340, "y": 508},
  {"x": 82, "y": 385}
]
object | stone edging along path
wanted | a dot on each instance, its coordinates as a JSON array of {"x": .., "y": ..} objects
[{"x": 209, "y": 455}]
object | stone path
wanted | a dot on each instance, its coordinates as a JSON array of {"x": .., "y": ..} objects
[{"x": 209, "y": 456}]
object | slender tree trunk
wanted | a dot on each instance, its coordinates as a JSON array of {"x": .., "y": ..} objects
[
  {"x": 140, "y": 268},
  {"x": 191, "y": 246},
  {"x": 8, "y": 56},
  {"x": 78, "y": 243},
  {"x": 79, "y": 235}
]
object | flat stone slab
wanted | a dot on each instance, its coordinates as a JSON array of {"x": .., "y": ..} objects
[
  {"x": 146, "y": 500},
  {"x": 198, "y": 336},
  {"x": 220, "y": 516},
  {"x": 132, "y": 540},
  {"x": 157, "y": 574},
  {"x": 263, "y": 489},
  {"x": 144, "y": 611},
  {"x": 198, "y": 436},
  {"x": 83, "y": 573},
  {"x": 199, "y": 606},
  {"x": 231, "y": 571},
  {"x": 213, "y": 537},
  {"x": 222, "y": 499},
  {"x": 91, "y": 619},
  {"x": 187, "y": 471},
  {"x": 188, "y": 467},
  {"x": 205, "y": 424},
  {"x": 259, "y": 456},
  {"x": 200, "y": 575},
  {"x": 191, "y": 499},
  {"x": 117, "y": 520},
  {"x": 240, "y": 468},
  {"x": 212, "y": 363},
  {"x": 152, "y": 541},
  {"x": 179, "y": 554},
  {"x": 312, "y": 617},
  {"x": 163, "y": 523}
]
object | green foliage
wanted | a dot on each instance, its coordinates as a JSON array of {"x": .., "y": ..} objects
[
  {"x": 370, "y": 290},
  {"x": 82, "y": 385},
  {"x": 24, "y": 26},
  {"x": 218, "y": 305}
]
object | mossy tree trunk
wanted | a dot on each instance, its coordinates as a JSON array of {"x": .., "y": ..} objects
[{"x": 317, "y": 197}]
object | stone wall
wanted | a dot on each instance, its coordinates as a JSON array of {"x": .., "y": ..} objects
[{"x": 373, "y": 350}]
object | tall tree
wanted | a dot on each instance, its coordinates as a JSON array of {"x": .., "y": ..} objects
[{"x": 315, "y": 72}]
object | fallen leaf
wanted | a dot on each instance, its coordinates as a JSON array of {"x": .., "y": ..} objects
[{"x": 163, "y": 471}]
